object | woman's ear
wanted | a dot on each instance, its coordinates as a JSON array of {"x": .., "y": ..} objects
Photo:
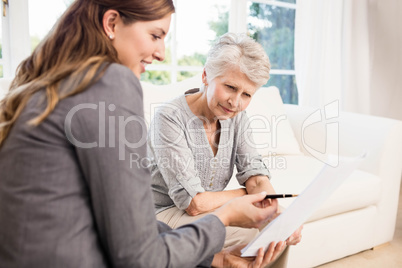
[
  {"x": 204, "y": 78},
  {"x": 109, "y": 22}
]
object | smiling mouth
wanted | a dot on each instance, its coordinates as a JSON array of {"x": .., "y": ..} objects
[{"x": 144, "y": 65}]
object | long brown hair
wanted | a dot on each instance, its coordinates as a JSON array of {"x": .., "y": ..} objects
[{"x": 77, "y": 47}]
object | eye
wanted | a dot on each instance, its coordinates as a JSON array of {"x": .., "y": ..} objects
[
  {"x": 247, "y": 95},
  {"x": 231, "y": 87},
  {"x": 155, "y": 37}
]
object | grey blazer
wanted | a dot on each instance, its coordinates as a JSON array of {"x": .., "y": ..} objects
[{"x": 72, "y": 196}]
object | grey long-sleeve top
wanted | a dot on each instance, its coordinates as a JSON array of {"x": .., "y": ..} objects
[
  {"x": 79, "y": 202},
  {"x": 181, "y": 158}
]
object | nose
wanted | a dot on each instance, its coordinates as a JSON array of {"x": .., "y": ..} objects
[
  {"x": 159, "y": 53},
  {"x": 235, "y": 101}
]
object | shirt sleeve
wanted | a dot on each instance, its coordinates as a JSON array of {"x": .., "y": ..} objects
[
  {"x": 168, "y": 148},
  {"x": 108, "y": 128},
  {"x": 248, "y": 161}
]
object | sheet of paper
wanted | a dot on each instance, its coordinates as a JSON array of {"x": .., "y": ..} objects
[{"x": 325, "y": 183}]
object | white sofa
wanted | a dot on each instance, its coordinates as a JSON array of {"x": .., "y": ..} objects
[{"x": 361, "y": 214}]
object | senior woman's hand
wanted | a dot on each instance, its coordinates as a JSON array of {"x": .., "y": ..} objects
[{"x": 230, "y": 257}]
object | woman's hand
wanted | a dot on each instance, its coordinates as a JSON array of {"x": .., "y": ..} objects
[
  {"x": 230, "y": 257},
  {"x": 295, "y": 238},
  {"x": 256, "y": 184},
  {"x": 243, "y": 212}
]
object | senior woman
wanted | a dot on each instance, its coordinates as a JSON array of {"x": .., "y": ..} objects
[{"x": 196, "y": 140}]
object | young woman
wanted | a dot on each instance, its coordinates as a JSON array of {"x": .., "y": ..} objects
[
  {"x": 68, "y": 195},
  {"x": 196, "y": 140}
]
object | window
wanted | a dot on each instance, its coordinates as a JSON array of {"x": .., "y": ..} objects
[
  {"x": 1, "y": 44},
  {"x": 272, "y": 24},
  {"x": 3, "y": 38},
  {"x": 195, "y": 26},
  {"x": 41, "y": 20},
  {"x": 190, "y": 37}
]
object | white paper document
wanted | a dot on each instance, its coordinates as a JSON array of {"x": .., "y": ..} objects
[{"x": 319, "y": 190}]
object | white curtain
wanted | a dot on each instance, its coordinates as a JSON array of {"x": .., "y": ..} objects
[
  {"x": 332, "y": 53},
  {"x": 385, "y": 21}
]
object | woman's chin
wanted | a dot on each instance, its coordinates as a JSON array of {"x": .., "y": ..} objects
[{"x": 224, "y": 117}]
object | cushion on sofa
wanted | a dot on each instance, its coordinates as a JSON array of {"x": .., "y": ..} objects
[
  {"x": 360, "y": 190},
  {"x": 272, "y": 132}
]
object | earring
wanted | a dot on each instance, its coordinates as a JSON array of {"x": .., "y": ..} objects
[{"x": 111, "y": 36}]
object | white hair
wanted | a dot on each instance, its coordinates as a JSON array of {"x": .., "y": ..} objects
[{"x": 238, "y": 51}]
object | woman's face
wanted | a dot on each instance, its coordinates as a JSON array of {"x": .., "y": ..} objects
[
  {"x": 229, "y": 94},
  {"x": 141, "y": 42}
]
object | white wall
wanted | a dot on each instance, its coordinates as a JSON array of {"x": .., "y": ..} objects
[{"x": 385, "y": 36}]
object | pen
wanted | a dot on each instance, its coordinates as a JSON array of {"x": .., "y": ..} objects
[{"x": 273, "y": 196}]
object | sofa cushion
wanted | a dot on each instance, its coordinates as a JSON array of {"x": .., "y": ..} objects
[
  {"x": 272, "y": 132},
  {"x": 360, "y": 190}
]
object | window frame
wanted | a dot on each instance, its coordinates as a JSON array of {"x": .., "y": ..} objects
[
  {"x": 15, "y": 36},
  {"x": 238, "y": 22}
]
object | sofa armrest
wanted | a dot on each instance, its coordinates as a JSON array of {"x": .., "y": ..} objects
[
  {"x": 350, "y": 135},
  {"x": 380, "y": 137}
]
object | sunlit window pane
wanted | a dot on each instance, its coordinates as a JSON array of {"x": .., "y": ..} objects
[
  {"x": 274, "y": 28},
  {"x": 196, "y": 26},
  {"x": 287, "y": 87},
  {"x": 185, "y": 74},
  {"x": 289, "y": 1},
  {"x": 157, "y": 77},
  {"x": 43, "y": 14},
  {"x": 199, "y": 23}
]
